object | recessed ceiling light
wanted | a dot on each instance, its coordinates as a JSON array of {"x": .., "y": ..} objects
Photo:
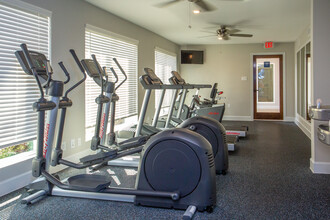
[{"x": 196, "y": 12}]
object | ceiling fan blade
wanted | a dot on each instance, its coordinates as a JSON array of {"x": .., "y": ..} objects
[
  {"x": 210, "y": 32},
  {"x": 205, "y": 6},
  {"x": 232, "y": 31},
  {"x": 241, "y": 35},
  {"x": 214, "y": 35},
  {"x": 168, "y": 3}
]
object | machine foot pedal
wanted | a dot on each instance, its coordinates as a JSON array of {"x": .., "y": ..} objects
[{"x": 93, "y": 181}]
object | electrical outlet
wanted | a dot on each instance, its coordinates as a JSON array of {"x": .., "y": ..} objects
[
  {"x": 63, "y": 145},
  {"x": 79, "y": 142},
  {"x": 73, "y": 143}
]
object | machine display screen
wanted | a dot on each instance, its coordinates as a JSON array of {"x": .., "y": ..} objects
[
  {"x": 177, "y": 76},
  {"x": 90, "y": 67},
  {"x": 151, "y": 74},
  {"x": 38, "y": 61}
]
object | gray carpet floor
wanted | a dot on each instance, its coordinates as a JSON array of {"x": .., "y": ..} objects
[{"x": 268, "y": 178}]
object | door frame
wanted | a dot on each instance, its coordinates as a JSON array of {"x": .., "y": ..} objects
[{"x": 283, "y": 83}]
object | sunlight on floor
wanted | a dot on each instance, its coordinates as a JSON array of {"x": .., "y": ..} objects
[
  {"x": 9, "y": 201},
  {"x": 130, "y": 172},
  {"x": 110, "y": 171},
  {"x": 115, "y": 178}
]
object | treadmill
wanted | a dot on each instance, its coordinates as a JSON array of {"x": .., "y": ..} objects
[
  {"x": 232, "y": 138},
  {"x": 240, "y": 131}
]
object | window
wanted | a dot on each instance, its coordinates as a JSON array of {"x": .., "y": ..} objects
[
  {"x": 304, "y": 81},
  {"x": 106, "y": 46},
  {"x": 18, "y": 122},
  {"x": 165, "y": 62}
]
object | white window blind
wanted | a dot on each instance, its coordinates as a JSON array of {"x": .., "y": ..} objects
[
  {"x": 18, "y": 122},
  {"x": 165, "y": 63},
  {"x": 107, "y": 46}
]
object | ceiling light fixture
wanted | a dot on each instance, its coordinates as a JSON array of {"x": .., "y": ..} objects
[
  {"x": 219, "y": 37},
  {"x": 196, "y": 12}
]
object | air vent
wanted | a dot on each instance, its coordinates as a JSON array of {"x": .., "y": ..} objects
[{"x": 211, "y": 159}]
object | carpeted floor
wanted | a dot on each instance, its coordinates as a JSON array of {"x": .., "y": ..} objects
[{"x": 268, "y": 178}]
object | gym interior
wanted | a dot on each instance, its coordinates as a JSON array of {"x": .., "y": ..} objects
[{"x": 178, "y": 109}]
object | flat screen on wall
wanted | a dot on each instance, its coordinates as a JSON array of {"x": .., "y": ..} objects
[{"x": 192, "y": 57}]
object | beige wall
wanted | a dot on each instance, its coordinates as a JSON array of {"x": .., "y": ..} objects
[
  {"x": 303, "y": 38},
  {"x": 68, "y": 31},
  {"x": 226, "y": 64},
  {"x": 320, "y": 160}
]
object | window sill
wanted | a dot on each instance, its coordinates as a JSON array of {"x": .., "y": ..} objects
[{"x": 9, "y": 161}]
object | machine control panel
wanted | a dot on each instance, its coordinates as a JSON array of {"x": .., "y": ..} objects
[
  {"x": 39, "y": 60},
  {"x": 179, "y": 80},
  {"x": 152, "y": 77},
  {"x": 91, "y": 68}
]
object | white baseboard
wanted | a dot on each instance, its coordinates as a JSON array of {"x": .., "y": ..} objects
[
  {"x": 320, "y": 167},
  {"x": 15, "y": 183},
  {"x": 22, "y": 180},
  {"x": 290, "y": 119},
  {"x": 304, "y": 125},
  {"x": 237, "y": 118},
  {"x": 250, "y": 118}
]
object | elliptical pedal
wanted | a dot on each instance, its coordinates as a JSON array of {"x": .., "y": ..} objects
[{"x": 94, "y": 181}]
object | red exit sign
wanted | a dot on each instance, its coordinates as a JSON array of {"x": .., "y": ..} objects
[{"x": 269, "y": 44}]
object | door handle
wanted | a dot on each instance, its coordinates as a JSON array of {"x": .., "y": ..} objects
[{"x": 256, "y": 90}]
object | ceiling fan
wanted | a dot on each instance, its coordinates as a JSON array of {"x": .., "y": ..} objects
[
  {"x": 223, "y": 33},
  {"x": 200, "y": 3}
]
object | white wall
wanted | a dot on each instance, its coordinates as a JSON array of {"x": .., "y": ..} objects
[
  {"x": 320, "y": 159},
  {"x": 226, "y": 64},
  {"x": 68, "y": 31}
]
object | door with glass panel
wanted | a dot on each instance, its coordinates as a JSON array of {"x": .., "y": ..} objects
[{"x": 268, "y": 86}]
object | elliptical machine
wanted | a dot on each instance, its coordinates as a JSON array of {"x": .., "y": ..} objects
[
  {"x": 176, "y": 168},
  {"x": 212, "y": 130}
]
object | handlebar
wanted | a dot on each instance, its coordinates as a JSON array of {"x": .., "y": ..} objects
[
  {"x": 122, "y": 71},
  {"x": 27, "y": 56},
  {"x": 82, "y": 70},
  {"x": 114, "y": 73},
  {"x": 75, "y": 57},
  {"x": 105, "y": 74},
  {"x": 65, "y": 72},
  {"x": 49, "y": 72},
  {"x": 32, "y": 67},
  {"x": 99, "y": 72}
]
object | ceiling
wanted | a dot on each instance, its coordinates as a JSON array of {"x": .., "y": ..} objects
[{"x": 267, "y": 20}]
